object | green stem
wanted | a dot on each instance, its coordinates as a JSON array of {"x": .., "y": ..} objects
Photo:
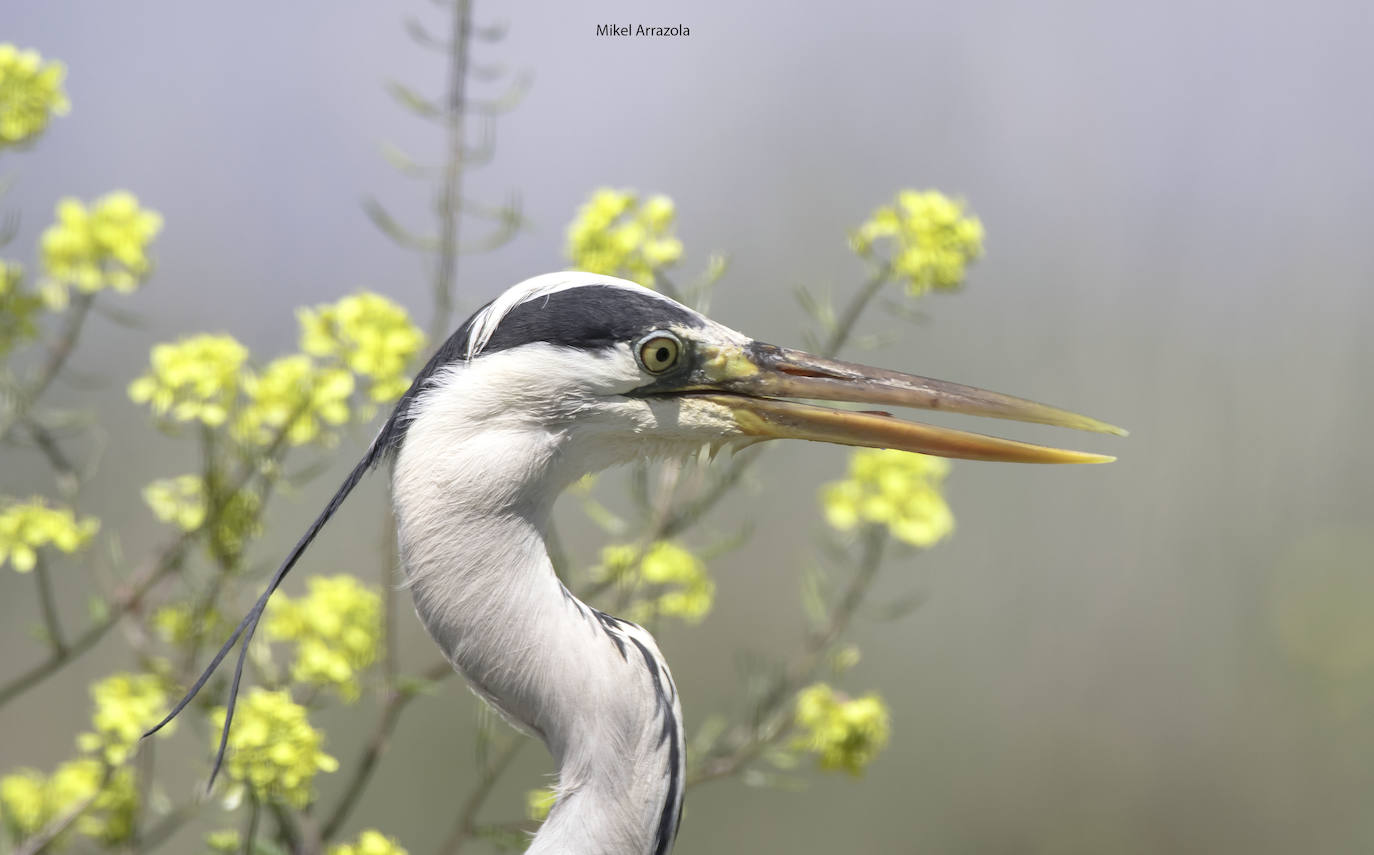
[
  {"x": 68, "y": 479},
  {"x": 294, "y": 831},
  {"x": 466, "y": 824},
  {"x": 58, "y": 354},
  {"x": 250, "y": 836},
  {"x": 170, "y": 560},
  {"x": 390, "y": 559},
  {"x": 844, "y": 326},
  {"x": 168, "y": 826},
  {"x": 49, "y": 606},
  {"x": 450, "y": 193},
  {"x": 771, "y": 720},
  {"x": 376, "y": 746}
]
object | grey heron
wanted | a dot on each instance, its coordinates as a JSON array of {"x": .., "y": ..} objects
[{"x": 562, "y": 375}]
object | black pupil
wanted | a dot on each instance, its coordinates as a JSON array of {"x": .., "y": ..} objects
[{"x": 661, "y": 354}]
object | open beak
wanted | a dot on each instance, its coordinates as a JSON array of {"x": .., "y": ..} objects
[{"x": 752, "y": 382}]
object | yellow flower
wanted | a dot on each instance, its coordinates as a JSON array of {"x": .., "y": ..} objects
[
  {"x": 126, "y": 705},
  {"x": 26, "y": 527},
  {"x": 194, "y": 379},
  {"x": 843, "y": 733},
  {"x": 616, "y": 235},
  {"x": 225, "y": 841},
  {"x": 898, "y": 489},
  {"x": 17, "y": 307},
  {"x": 370, "y": 334},
  {"x": 179, "y": 500},
  {"x": 24, "y": 802},
  {"x": 932, "y": 240},
  {"x": 370, "y": 842},
  {"x": 103, "y": 246},
  {"x": 684, "y": 588},
  {"x": 337, "y": 628},
  {"x": 295, "y": 393},
  {"x": 30, "y": 94},
  {"x": 539, "y": 802},
  {"x": 110, "y": 818},
  {"x": 273, "y": 750},
  {"x": 182, "y": 502},
  {"x": 30, "y": 800}
]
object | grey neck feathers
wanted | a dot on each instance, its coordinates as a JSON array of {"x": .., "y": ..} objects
[{"x": 471, "y": 512}]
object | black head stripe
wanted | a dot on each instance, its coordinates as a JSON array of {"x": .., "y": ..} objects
[{"x": 587, "y": 317}]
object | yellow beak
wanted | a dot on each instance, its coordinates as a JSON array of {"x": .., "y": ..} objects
[{"x": 753, "y": 381}]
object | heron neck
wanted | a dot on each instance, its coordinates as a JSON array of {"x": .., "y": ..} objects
[{"x": 595, "y": 689}]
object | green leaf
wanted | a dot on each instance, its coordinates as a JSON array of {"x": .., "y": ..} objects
[
  {"x": 413, "y": 101},
  {"x": 97, "y": 608},
  {"x": 901, "y": 607},
  {"x": 813, "y": 587}
]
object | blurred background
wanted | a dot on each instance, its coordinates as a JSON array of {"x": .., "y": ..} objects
[{"x": 1172, "y": 653}]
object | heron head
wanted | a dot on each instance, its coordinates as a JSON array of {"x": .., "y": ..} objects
[{"x": 620, "y": 372}]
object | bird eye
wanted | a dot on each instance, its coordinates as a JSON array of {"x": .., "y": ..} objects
[{"x": 659, "y": 351}]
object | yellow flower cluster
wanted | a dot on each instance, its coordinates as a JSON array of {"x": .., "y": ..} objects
[
  {"x": 181, "y": 501},
  {"x": 103, "y": 246},
  {"x": 368, "y": 333},
  {"x": 295, "y": 393},
  {"x": 207, "y": 378},
  {"x": 843, "y": 733},
  {"x": 370, "y": 842},
  {"x": 933, "y": 240},
  {"x": 26, "y": 527},
  {"x": 17, "y": 307},
  {"x": 30, "y": 94},
  {"x": 613, "y": 233},
  {"x": 26, "y": 802},
  {"x": 897, "y": 489},
  {"x": 273, "y": 750},
  {"x": 194, "y": 379},
  {"x": 690, "y": 591},
  {"x": 538, "y": 803},
  {"x": 126, "y": 705},
  {"x": 30, "y": 800},
  {"x": 337, "y": 628}
]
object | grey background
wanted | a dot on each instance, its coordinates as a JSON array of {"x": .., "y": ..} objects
[{"x": 1178, "y": 199}]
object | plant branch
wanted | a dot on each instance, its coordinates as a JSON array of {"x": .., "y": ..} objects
[
  {"x": 844, "y": 326},
  {"x": 450, "y": 194},
  {"x": 169, "y": 825},
  {"x": 771, "y": 714},
  {"x": 377, "y": 743},
  {"x": 58, "y": 354},
  {"x": 389, "y": 586},
  {"x": 250, "y": 836},
  {"x": 466, "y": 824},
  {"x": 51, "y": 620},
  {"x": 68, "y": 478},
  {"x": 168, "y": 560}
]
